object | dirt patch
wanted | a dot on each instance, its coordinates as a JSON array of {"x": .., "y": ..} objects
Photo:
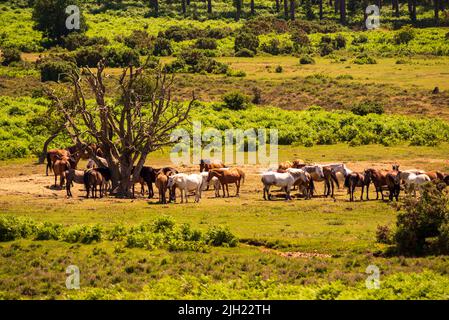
[{"x": 297, "y": 254}]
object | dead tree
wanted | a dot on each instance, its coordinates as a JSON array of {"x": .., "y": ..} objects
[{"x": 138, "y": 123}]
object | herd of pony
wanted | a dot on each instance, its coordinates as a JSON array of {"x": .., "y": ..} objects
[{"x": 288, "y": 176}]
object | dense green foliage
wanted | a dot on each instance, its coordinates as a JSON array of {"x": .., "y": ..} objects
[
  {"x": 161, "y": 233},
  {"x": 23, "y": 131}
]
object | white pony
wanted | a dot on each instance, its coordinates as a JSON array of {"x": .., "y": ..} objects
[
  {"x": 284, "y": 180},
  {"x": 413, "y": 181},
  {"x": 186, "y": 183},
  {"x": 92, "y": 164},
  {"x": 214, "y": 182}
]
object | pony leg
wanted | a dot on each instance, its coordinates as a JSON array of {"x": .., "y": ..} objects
[{"x": 361, "y": 196}]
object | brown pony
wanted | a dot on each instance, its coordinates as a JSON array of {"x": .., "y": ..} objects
[
  {"x": 378, "y": 178},
  {"x": 92, "y": 180},
  {"x": 53, "y": 155},
  {"x": 329, "y": 178},
  {"x": 298, "y": 164},
  {"x": 207, "y": 164},
  {"x": 233, "y": 175},
  {"x": 354, "y": 180},
  {"x": 394, "y": 184},
  {"x": 435, "y": 175},
  {"x": 61, "y": 165},
  {"x": 284, "y": 165},
  {"x": 161, "y": 185}
]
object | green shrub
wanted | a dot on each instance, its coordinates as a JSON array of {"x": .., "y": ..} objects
[
  {"x": 10, "y": 55},
  {"x": 246, "y": 40},
  {"x": 163, "y": 224},
  {"x": 121, "y": 57},
  {"x": 404, "y": 35},
  {"x": 384, "y": 235},
  {"x": 272, "y": 47},
  {"x": 299, "y": 39},
  {"x": 75, "y": 40},
  {"x": 361, "y": 38},
  {"x": 206, "y": 43},
  {"x": 326, "y": 49},
  {"x": 84, "y": 234},
  {"x": 48, "y": 231},
  {"x": 421, "y": 219},
  {"x": 141, "y": 41},
  {"x": 340, "y": 42},
  {"x": 364, "y": 58},
  {"x": 306, "y": 59},
  {"x": 235, "y": 100},
  {"x": 12, "y": 228},
  {"x": 89, "y": 56},
  {"x": 162, "y": 47},
  {"x": 220, "y": 236},
  {"x": 12, "y": 149},
  {"x": 244, "y": 53},
  {"x": 195, "y": 61},
  {"x": 365, "y": 108},
  {"x": 278, "y": 69}
]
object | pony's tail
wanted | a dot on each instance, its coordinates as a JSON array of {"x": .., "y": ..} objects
[
  {"x": 335, "y": 179},
  {"x": 346, "y": 185},
  {"x": 243, "y": 177},
  {"x": 312, "y": 187}
]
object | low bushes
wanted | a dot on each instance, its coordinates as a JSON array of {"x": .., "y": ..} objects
[
  {"x": 246, "y": 40},
  {"x": 9, "y": 55},
  {"x": 364, "y": 59},
  {"x": 196, "y": 61},
  {"x": 306, "y": 59},
  {"x": 365, "y": 108},
  {"x": 235, "y": 101},
  {"x": 55, "y": 68},
  {"x": 422, "y": 226},
  {"x": 162, "y": 233}
]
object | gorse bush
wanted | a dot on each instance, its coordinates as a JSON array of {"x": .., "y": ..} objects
[
  {"x": 364, "y": 58},
  {"x": 219, "y": 236},
  {"x": 246, "y": 40},
  {"x": 196, "y": 61},
  {"x": 365, "y": 108},
  {"x": 404, "y": 35},
  {"x": 235, "y": 100},
  {"x": 55, "y": 68},
  {"x": 421, "y": 220},
  {"x": 306, "y": 59}
]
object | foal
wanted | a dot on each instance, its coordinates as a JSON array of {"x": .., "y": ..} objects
[{"x": 354, "y": 180}]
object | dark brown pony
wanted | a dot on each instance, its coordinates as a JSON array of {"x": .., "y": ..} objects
[
  {"x": 354, "y": 180},
  {"x": 92, "y": 180},
  {"x": 60, "y": 166},
  {"x": 233, "y": 175},
  {"x": 148, "y": 175},
  {"x": 329, "y": 178},
  {"x": 394, "y": 184},
  {"x": 161, "y": 185},
  {"x": 378, "y": 178}
]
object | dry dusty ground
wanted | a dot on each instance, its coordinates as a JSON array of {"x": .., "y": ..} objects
[{"x": 30, "y": 179}]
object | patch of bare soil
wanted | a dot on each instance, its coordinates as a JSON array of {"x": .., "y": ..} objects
[{"x": 296, "y": 254}]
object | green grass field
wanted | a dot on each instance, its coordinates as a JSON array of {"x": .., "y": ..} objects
[{"x": 288, "y": 250}]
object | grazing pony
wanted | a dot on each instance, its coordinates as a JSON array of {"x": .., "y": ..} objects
[
  {"x": 354, "y": 180},
  {"x": 435, "y": 175},
  {"x": 285, "y": 180},
  {"x": 298, "y": 164},
  {"x": 214, "y": 182},
  {"x": 323, "y": 173},
  {"x": 186, "y": 183},
  {"x": 413, "y": 181},
  {"x": 304, "y": 183},
  {"x": 209, "y": 164},
  {"x": 233, "y": 175},
  {"x": 93, "y": 179},
  {"x": 73, "y": 176}
]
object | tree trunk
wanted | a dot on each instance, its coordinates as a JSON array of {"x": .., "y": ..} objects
[
  {"x": 43, "y": 154},
  {"x": 437, "y": 8},
  {"x": 336, "y": 6},
  {"x": 209, "y": 6},
  {"x": 252, "y": 7},
  {"x": 285, "y": 9},
  {"x": 412, "y": 9},
  {"x": 292, "y": 10},
  {"x": 238, "y": 7},
  {"x": 396, "y": 7},
  {"x": 321, "y": 9},
  {"x": 183, "y": 6},
  {"x": 188, "y": 2},
  {"x": 379, "y": 3},
  {"x": 343, "y": 11},
  {"x": 278, "y": 6}
]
